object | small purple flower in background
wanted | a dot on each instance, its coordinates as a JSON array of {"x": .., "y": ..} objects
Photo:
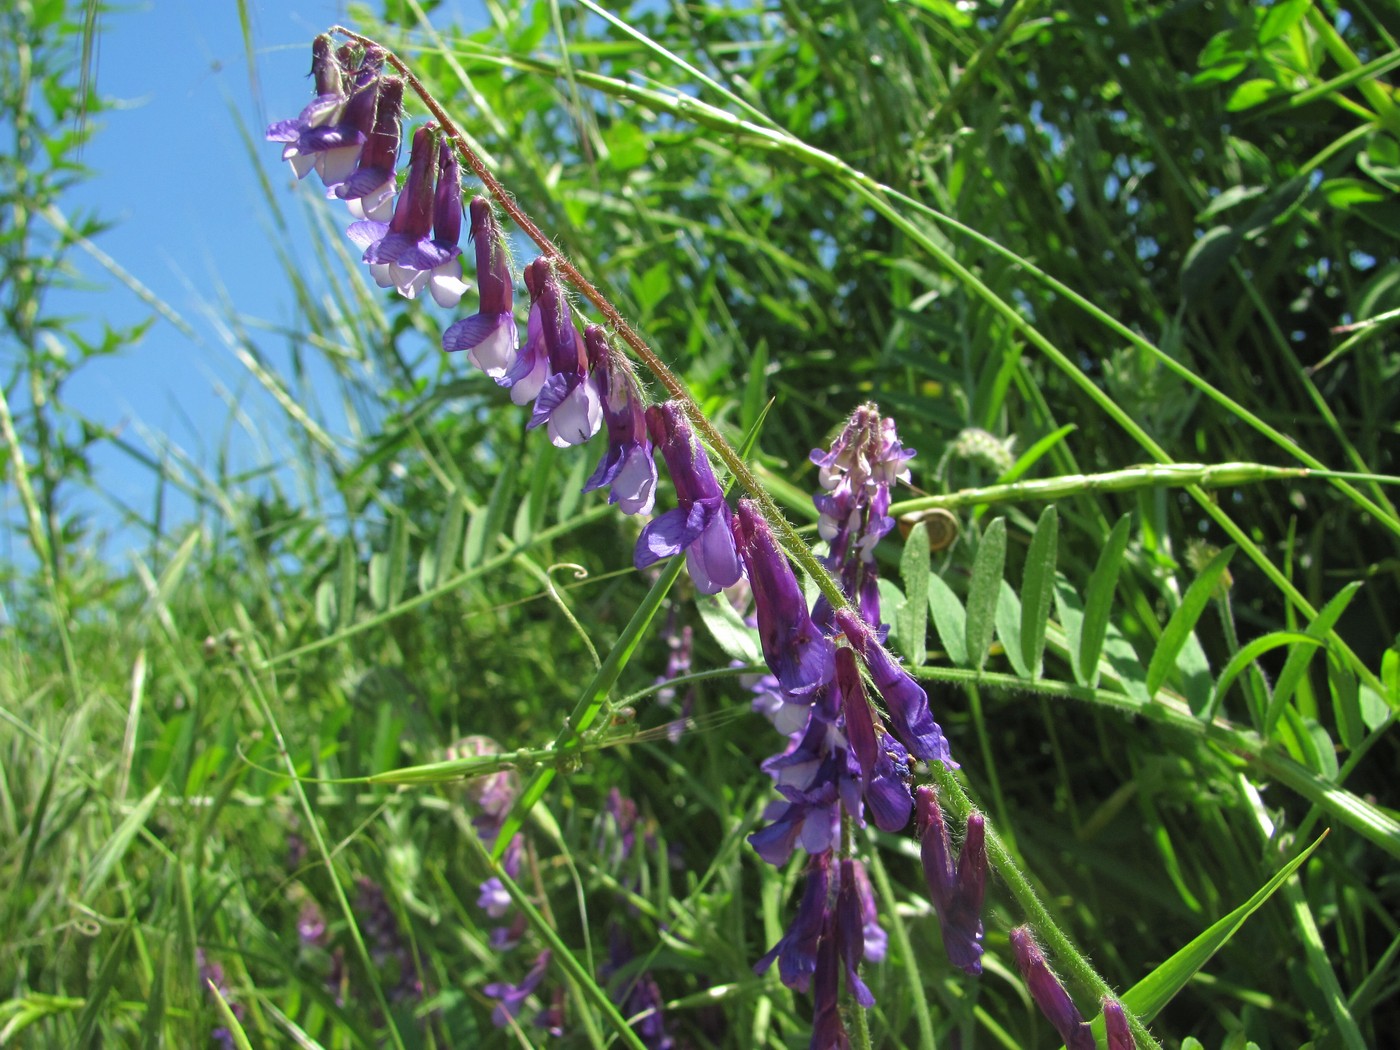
[
  {"x": 700, "y": 525},
  {"x": 489, "y": 336},
  {"x": 865, "y": 460},
  {"x": 636, "y": 994},
  {"x": 492, "y": 793},
  {"x": 1115, "y": 1021},
  {"x": 627, "y": 465},
  {"x": 213, "y": 973},
  {"x": 1047, "y": 991},
  {"x": 511, "y": 997},
  {"x": 956, "y": 889},
  {"x": 568, "y": 399},
  {"x": 387, "y": 949},
  {"x": 418, "y": 249},
  {"x": 493, "y": 898},
  {"x": 311, "y": 924},
  {"x": 796, "y": 652}
]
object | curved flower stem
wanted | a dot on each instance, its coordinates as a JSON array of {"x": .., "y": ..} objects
[{"x": 798, "y": 550}]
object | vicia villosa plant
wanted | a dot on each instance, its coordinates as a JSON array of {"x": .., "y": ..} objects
[{"x": 864, "y": 762}]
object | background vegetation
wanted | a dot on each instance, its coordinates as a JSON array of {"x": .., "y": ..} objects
[{"x": 1052, "y": 240}]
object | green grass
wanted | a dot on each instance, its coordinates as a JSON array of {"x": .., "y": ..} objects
[{"x": 1162, "y": 642}]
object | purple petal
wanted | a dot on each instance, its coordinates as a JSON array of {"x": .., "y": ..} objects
[{"x": 663, "y": 537}]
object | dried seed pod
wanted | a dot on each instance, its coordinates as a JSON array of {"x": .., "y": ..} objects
[{"x": 941, "y": 526}]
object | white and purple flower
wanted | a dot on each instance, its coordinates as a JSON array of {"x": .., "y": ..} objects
[
  {"x": 628, "y": 464},
  {"x": 700, "y": 525},
  {"x": 489, "y": 336},
  {"x": 418, "y": 248}
]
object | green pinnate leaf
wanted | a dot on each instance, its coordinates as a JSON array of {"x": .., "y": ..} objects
[
  {"x": 1038, "y": 588},
  {"x": 984, "y": 592}
]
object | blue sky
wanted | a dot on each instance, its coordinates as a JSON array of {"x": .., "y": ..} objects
[{"x": 172, "y": 174}]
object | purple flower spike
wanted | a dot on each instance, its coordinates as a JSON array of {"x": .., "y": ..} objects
[
  {"x": 955, "y": 889},
  {"x": 489, "y": 336},
  {"x": 627, "y": 465},
  {"x": 905, "y": 698},
  {"x": 1049, "y": 994},
  {"x": 700, "y": 526},
  {"x": 403, "y": 255},
  {"x": 512, "y": 996},
  {"x": 799, "y": 656},
  {"x": 1120, "y": 1035},
  {"x": 567, "y": 398}
]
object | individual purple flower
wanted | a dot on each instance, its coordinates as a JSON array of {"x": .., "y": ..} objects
[
  {"x": 854, "y": 907},
  {"x": 322, "y": 111},
  {"x": 955, "y": 888},
  {"x": 628, "y": 464},
  {"x": 212, "y": 973},
  {"x": 796, "y": 652},
  {"x": 418, "y": 249},
  {"x": 369, "y": 189},
  {"x": 489, "y": 336},
  {"x": 700, "y": 525},
  {"x": 511, "y": 997},
  {"x": 568, "y": 399},
  {"x": 311, "y": 924},
  {"x": 493, "y": 898},
  {"x": 1049, "y": 994},
  {"x": 904, "y": 698},
  {"x": 883, "y": 762},
  {"x": 1116, "y": 1027},
  {"x": 796, "y": 951}
]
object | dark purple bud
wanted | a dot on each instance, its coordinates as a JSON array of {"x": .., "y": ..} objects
[
  {"x": 956, "y": 889},
  {"x": 1047, "y": 991},
  {"x": 799, "y": 656},
  {"x": 860, "y": 721},
  {"x": 1120, "y": 1035},
  {"x": 828, "y": 1030},
  {"x": 904, "y": 698},
  {"x": 325, "y": 69},
  {"x": 447, "y": 202}
]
